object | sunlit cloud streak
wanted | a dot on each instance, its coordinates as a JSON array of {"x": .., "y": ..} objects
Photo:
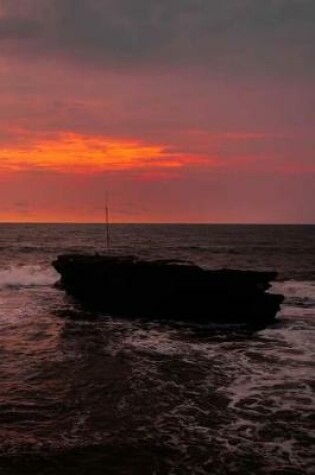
[{"x": 70, "y": 152}]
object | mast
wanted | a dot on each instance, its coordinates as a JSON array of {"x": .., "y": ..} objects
[{"x": 107, "y": 224}]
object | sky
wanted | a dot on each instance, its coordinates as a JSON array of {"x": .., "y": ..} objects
[{"x": 178, "y": 110}]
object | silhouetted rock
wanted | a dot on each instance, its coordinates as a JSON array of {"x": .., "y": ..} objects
[{"x": 168, "y": 289}]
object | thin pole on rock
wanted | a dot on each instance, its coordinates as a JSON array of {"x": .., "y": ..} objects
[{"x": 107, "y": 224}]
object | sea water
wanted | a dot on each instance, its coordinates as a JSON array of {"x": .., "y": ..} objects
[{"x": 89, "y": 393}]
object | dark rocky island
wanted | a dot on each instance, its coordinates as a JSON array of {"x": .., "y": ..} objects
[{"x": 169, "y": 290}]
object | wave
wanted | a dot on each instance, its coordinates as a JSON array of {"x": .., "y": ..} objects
[
  {"x": 27, "y": 276},
  {"x": 299, "y": 297},
  {"x": 291, "y": 289}
]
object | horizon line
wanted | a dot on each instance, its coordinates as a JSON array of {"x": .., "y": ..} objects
[{"x": 231, "y": 223}]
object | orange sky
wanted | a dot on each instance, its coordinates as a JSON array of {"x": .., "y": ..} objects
[
  {"x": 71, "y": 152},
  {"x": 205, "y": 117}
]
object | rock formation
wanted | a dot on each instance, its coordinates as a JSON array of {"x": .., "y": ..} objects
[{"x": 168, "y": 290}]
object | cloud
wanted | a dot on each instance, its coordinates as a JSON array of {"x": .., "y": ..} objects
[
  {"x": 74, "y": 153},
  {"x": 18, "y": 29},
  {"x": 213, "y": 34},
  {"x": 206, "y": 102}
]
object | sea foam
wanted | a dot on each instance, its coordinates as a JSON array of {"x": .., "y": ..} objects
[
  {"x": 26, "y": 276},
  {"x": 294, "y": 288}
]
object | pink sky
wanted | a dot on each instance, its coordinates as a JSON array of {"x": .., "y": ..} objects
[{"x": 178, "y": 116}]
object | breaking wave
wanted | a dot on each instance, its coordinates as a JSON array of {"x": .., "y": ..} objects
[
  {"x": 299, "y": 298},
  {"x": 27, "y": 276},
  {"x": 294, "y": 288}
]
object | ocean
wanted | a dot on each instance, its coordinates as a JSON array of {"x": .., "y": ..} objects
[{"x": 85, "y": 393}]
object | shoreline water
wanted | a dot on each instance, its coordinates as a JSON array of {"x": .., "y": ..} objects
[{"x": 83, "y": 391}]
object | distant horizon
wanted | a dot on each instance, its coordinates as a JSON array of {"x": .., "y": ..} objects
[{"x": 159, "y": 223}]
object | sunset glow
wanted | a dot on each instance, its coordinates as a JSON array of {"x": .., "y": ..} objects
[
  {"x": 183, "y": 111},
  {"x": 157, "y": 236},
  {"x": 70, "y": 152}
]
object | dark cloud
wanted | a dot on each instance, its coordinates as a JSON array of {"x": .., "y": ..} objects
[
  {"x": 216, "y": 34},
  {"x": 17, "y": 29}
]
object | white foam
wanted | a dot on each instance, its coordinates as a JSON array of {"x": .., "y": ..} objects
[
  {"x": 26, "y": 276},
  {"x": 299, "y": 298},
  {"x": 295, "y": 288}
]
